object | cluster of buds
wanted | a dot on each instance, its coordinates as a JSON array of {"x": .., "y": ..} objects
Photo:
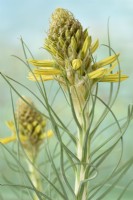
[
  {"x": 70, "y": 45},
  {"x": 30, "y": 128},
  {"x": 31, "y": 124},
  {"x": 67, "y": 41}
]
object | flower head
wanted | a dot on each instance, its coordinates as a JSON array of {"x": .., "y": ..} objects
[
  {"x": 73, "y": 64},
  {"x": 72, "y": 50},
  {"x": 31, "y": 126}
]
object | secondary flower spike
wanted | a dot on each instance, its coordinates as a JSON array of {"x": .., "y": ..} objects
[
  {"x": 72, "y": 50},
  {"x": 31, "y": 126}
]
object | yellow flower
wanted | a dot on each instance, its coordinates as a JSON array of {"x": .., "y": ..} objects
[
  {"x": 72, "y": 50},
  {"x": 72, "y": 63},
  {"x": 31, "y": 126}
]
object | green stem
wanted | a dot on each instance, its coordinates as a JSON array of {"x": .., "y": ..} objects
[
  {"x": 80, "y": 98},
  {"x": 81, "y": 189},
  {"x": 83, "y": 154},
  {"x": 34, "y": 175}
]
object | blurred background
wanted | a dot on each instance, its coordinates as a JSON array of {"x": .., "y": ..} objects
[{"x": 30, "y": 20}]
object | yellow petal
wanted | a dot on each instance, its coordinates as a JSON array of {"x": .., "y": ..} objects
[
  {"x": 114, "y": 78},
  {"x": 47, "y": 71},
  {"x": 42, "y": 63},
  {"x": 102, "y": 72},
  {"x": 8, "y": 139},
  {"x": 37, "y": 77},
  {"x": 94, "y": 46},
  {"x": 106, "y": 61},
  {"x": 97, "y": 73}
]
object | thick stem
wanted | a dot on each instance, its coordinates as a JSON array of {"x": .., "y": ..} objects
[
  {"x": 80, "y": 96},
  {"x": 81, "y": 189},
  {"x": 34, "y": 175},
  {"x": 83, "y": 154}
]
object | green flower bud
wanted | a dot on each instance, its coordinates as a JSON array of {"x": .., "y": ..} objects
[
  {"x": 30, "y": 123},
  {"x": 76, "y": 63},
  {"x": 65, "y": 35}
]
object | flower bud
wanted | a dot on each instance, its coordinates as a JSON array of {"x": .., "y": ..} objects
[
  {"x": 30, "y": 123},
  {"x": 65, "y": 35}
]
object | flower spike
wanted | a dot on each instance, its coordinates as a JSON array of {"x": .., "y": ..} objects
[
  {"x": 31, "y": 126},
  {"x": 72, "y": 51}
]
